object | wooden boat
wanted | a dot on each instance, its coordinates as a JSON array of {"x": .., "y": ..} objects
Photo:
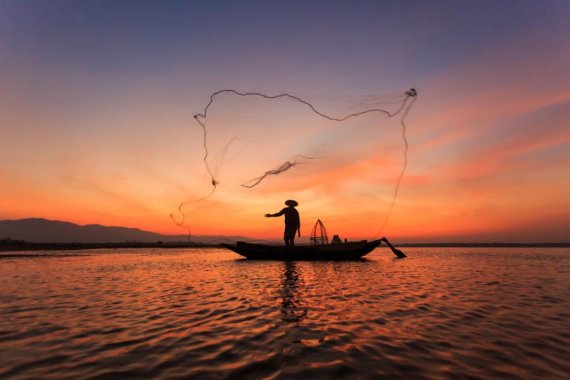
[{"x": 342, "y": 251}]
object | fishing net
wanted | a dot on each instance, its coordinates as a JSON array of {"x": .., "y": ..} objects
[{"x": 339, "y": 157}]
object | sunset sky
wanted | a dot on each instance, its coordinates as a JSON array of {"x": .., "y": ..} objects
[{"x": 97, "y": 101}]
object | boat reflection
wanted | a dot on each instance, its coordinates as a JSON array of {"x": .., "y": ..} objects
[{"x": 292, "y": 309}]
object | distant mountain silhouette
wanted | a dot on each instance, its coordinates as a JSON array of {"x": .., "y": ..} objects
[{"x": 38, "y": 230}]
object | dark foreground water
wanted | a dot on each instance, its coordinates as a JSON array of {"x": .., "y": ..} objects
[{"x": 440, "y": 313}]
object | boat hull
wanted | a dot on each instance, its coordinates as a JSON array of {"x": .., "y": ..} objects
[{"x": 334, "y": 252}]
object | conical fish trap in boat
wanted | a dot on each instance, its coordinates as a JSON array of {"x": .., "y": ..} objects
[{"x": 319, "y": 234}]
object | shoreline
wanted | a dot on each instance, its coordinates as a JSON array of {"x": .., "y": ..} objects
[
  {"x": 26, "y": 246},
  {"x": 14, "y": 245}
]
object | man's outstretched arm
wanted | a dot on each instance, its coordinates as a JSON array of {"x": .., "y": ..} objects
[{"x": 276, "y": 214}]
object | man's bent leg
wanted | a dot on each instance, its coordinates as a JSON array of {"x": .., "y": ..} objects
[{"x": 289, "y": 237}]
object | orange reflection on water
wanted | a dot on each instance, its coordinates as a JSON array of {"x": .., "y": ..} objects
[{"x": 196, "y": 312}]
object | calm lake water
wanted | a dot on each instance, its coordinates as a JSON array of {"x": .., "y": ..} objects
[{"x": 440, "y": 313}]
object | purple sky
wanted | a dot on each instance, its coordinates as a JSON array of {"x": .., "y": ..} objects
[{"x": 99, "y": 93}]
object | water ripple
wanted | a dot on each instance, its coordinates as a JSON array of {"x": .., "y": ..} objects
[{"x": 461, "y": 313}]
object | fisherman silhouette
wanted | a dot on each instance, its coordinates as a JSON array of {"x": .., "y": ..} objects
[{"x": 292, "y": 222}]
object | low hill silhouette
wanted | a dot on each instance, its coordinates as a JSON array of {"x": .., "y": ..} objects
[{"x": 37, "y": 230}]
